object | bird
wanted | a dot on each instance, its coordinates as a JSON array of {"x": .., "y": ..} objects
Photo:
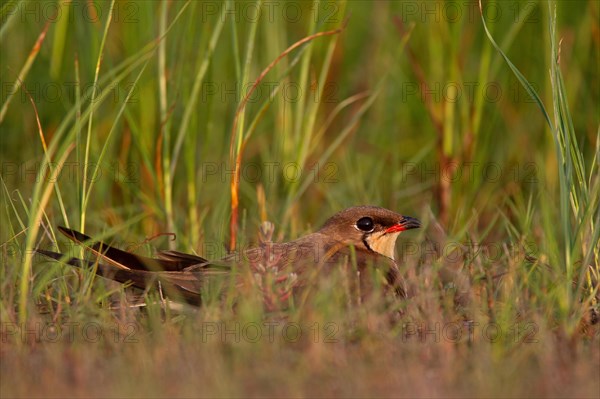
[{"x": 363, "y": 234}]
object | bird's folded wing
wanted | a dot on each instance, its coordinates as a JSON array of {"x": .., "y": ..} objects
[
  {"x": 186, "y": 284},
  {"x": 128, "y": 261},
  {"x": 182, "y": 258}
]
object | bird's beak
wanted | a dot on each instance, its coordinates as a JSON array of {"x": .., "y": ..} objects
[{"x": 406, "y": 223}]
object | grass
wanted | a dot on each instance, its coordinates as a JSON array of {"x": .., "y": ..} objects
[{"x": 160, "y": 117}]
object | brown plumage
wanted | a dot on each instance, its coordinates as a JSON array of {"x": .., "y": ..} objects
[{"x": 363, "y": 234}]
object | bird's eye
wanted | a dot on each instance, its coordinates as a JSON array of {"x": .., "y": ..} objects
[{"x": 365, "y": 224}]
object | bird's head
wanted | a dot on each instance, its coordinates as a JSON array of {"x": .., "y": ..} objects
[{"x": 369, "y": 227}]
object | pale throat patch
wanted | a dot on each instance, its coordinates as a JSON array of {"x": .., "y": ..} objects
[{"x": 384, "y": 244}]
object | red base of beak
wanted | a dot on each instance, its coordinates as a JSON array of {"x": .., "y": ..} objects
[
  {"x": 406, "y": 223},
  {"x": 395, "y": 228}
]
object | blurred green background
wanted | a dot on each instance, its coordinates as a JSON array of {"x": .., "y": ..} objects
[{"x": 438, "y": 97}]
